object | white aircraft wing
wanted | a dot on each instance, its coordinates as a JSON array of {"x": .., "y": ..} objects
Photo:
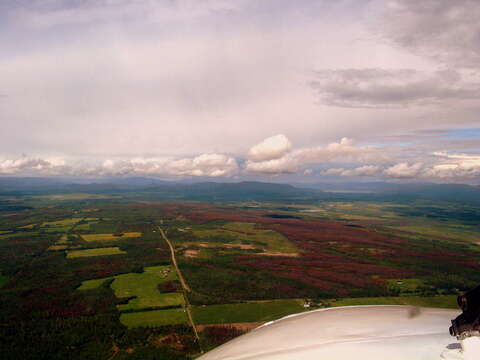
[{"x": 348, "y": 333}]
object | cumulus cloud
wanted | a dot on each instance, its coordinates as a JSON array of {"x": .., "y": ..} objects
[
  {"x": 443, "y": 166},
  {"x": 343, "y": 151},
  {"x": 455, "y": 166},
  {"x": 204, "y": 165},
  {"x": 404, "y": 170},
  {"x": 271, "y": 148},
  {"x": 285, "y": 165},
  {"x": 212, "y": 165},
  {"x": 444, "y": 30},
  {"x": 378, "y": 88},
  {"x": 367, "y": 170},
  {"x": 13, "y": 166}
]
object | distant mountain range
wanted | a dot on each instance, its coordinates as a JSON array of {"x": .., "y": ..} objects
[{"x": 242, "y": 191}]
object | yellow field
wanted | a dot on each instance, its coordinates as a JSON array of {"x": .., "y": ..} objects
[
  {"x": 64, "y": 222},
  {"x": 94, "y": 252},
  {"x": 57, "y": 247},
  {"x": 110, "y": 237}
]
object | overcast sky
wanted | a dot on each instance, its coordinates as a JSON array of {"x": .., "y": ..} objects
[{"x": 281, "y": 90}]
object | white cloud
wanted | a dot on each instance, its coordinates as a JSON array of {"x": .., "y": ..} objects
[
  {"x": 455, "y": 166},
  {"x": 367, "y": 170},
  {"x": 13, "y": 166},
  {"x": 404, "y": 170},
  {"x": 271, "y": 148},
  {"x": 205, "y": 165},
  {"x": 212, "y": 165},
  {"x": 343, "y": 151},
  {"x": 285, "y": 165}
]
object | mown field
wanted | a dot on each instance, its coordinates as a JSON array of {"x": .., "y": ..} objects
[
  {"x": 72, "y": 254},
  {"x": 92, "y": 273}
]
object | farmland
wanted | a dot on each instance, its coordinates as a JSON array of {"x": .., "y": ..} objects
[
  {"x": 110, "y": 237},
  {"x": 95, "y": 270},
  {"x": 154, "y": 318},
  {"x": 71, "y": 254}
]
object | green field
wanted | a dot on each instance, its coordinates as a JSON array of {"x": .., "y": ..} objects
[
  {"x": 439, "y": 301},
  {"x": 82, "y": 227},
  {"x": 247, "y": 233},
  {"x": 454, "y": 231},
  {"x": 71, "y": 254},
  {"x": 64, "y": 222},
  {"x": 246, "y": 312},
  {"x": 154, "y": 318},
  {"x": 110, "y": 237},
  {"x": 143, "y": 287},
  {"x": 93, "y": 284}
]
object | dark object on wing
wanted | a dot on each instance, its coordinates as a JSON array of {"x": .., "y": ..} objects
[{"x": 467, "y": 324}]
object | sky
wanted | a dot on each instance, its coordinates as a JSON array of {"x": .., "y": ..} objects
[{"x": 271, "y": 90}]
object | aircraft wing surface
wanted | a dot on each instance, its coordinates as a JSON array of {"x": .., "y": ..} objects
[{"x": 353, "y": 333}]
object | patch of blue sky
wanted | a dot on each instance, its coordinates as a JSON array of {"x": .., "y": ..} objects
[{"x": 462, "y": 134}]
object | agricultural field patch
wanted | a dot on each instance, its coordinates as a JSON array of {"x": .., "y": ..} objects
[
  {"x": 64, "y": 222},
  {"x": 141, "y": 288},
  {"x": 442, "y": 231},
  {"x": 110, "y": 237},
  {"x": 93, "y": 284},
  {"x": 57, "y": 247},
  {"x": 154, "y": 318},
  {"x": 406, "y": 287},
  {"x": 71, "y": 254},
  {"x": 238, "y": 234},
  {"x": 144, "y": 287},
  {"x": 63, "y": 240},
  {"x": 246, "y": 312},
  {"x": 439, "y": 301}
]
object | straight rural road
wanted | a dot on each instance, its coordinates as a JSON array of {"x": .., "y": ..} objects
[
  {"x": 185, "y": 287},
  {"x": 174, "y": 260}
]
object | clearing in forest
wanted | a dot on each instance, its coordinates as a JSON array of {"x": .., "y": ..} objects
[
  {"x": 71, "y": 254},
  {"x": 247, "y": 234},
  {"x": 64, "y": 222},
  {"x": 142, "y": 288},
  {"x": 110, "y": 237},
  {"x": 247, "y": 312},
  {"x": 154, "y": 318}
]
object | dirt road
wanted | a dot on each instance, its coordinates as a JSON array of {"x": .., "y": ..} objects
[{"x": 185, "y": 286}]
